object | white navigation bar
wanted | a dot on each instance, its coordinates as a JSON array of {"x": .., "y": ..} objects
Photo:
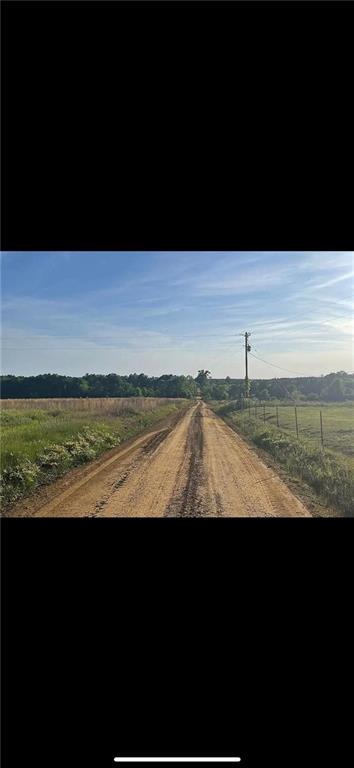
[{"x": 177, "y": 759}]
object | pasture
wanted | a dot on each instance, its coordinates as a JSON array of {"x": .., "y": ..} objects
[{"x": 337, "y": 424}]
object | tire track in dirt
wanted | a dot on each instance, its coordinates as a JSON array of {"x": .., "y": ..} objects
[
  {"x": 147, "y": 493},
  {"x": 239, "y": 479},
  {"x": 88, "y": 495},
  {"x": 187, "y": 498},
  {"x": 199, "y": 467}
]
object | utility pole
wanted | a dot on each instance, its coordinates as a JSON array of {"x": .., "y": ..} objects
[{"x": 247, "y": 350}]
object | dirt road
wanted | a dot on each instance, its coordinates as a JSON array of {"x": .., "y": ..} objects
[{"x": 199, "y": 467}]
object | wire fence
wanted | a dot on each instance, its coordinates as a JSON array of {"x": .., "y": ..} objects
[{"x": 328, "y": 426}]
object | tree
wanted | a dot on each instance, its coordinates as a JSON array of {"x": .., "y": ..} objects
[
  {"x": 203, "y": 377},
  {"x": 187, "y": 387},
  {"x": 235, "y": 390},
  {"x": 312, "y": 396},
  {"x": 335, "y": 390},
  {"x": 84, "y": 387},
  {"x": 264, "y": 394},
  {"x": 219, "y": 391},
  {"x": 335, "y": 387}
]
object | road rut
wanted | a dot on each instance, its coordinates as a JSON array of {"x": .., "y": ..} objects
[{"x": 200, "y": 467}]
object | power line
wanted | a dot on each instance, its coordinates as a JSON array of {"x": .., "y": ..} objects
[{"x": 277, "y": 366}]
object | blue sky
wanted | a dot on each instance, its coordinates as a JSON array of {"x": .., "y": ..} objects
[{"x": 73, "y": 313}]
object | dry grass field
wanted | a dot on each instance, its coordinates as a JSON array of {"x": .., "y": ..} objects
[{"x": 112, "y": 406}]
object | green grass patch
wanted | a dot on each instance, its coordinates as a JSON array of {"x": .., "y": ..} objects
[
  {"x": 337, "y": 420},
  {"x": 38, "y": 446},
  {"x": 329, "y": 472}
]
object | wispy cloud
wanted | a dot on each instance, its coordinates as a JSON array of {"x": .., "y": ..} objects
[
  {"x": 334, "y": 280},
  {"x": 176, "y": 312}
]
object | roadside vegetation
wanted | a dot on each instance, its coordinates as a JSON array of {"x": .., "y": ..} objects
[
  {"x": 337, "y": 422},
  {"x": 40, "y": 444},
  {"x": 329, "y": 472}
]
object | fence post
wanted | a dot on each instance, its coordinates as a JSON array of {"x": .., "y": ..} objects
[
  {"x": 277, "y": 416},
  {"x": 249, "y": 408},
  {"x": 255, "y": 411},
  {"x": 297, "y": 428},
  {"x": 263, "y": 412},
  {"x": 321, "y": 428}
]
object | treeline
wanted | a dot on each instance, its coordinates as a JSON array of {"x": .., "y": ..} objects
[
  {"x": 95, "y": 385},
  {"x": 335, "y": 387}
]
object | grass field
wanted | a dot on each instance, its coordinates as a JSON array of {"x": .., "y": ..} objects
[
  {"x": 28, "y": 426},
  {"x": 329, "y": 471},
  {"x": 337, "y": 422},
  {"x": 39, "y": 444}
]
